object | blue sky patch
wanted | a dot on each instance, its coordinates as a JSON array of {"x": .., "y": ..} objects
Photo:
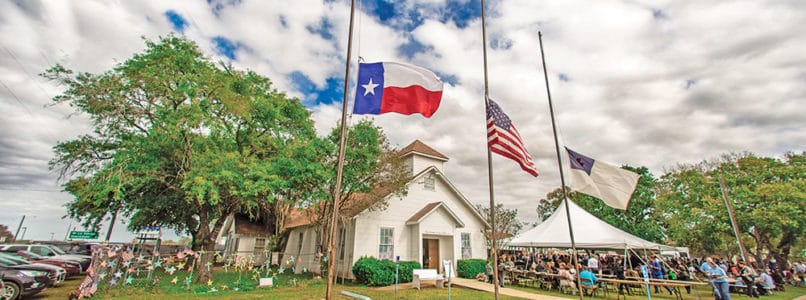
[
  {"x": 395, "y": 14},
  {"x": 218, "y": 5},
  {"x": 332, "y": 92},
  {"x": 324, "y": 28},
  {"x": 500, "y": 42},
  {"x": 462, "y": 12},
  {"x": 412, "y": 47},
  {"x": 447, "y": 78},
  {"x": 385, "y": 10},
  {"x": 179, "y": 23},
  {"x": 226, "y": 47}
]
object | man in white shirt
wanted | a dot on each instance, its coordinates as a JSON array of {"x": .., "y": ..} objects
[{"x": 593, "y": 264}]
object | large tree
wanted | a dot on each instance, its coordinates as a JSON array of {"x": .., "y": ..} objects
[
  {"x": 768, "y": 196},
  {"x": 179, "y": 142}
]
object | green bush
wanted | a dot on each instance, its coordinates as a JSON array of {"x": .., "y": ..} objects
[
  {"x": 469, "y": 268},
  {"x": 374, "y": 272},
  {"x": 406, "y": 271}
]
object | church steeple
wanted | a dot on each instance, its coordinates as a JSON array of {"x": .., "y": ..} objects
[{"x": 420, "y": 156}]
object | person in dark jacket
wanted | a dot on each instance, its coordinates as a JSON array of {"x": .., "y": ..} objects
[{"x": 501, "y": 272}]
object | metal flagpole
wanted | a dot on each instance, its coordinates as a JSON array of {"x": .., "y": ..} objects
[
  {"x": 560, "y": 165},
  {"x": 493, "y": 233},
  {"x": 339, "y": 170},
  {"x": 732, "y": 218}
]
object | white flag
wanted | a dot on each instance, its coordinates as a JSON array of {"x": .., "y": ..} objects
[{"x": 610, "y": 183}]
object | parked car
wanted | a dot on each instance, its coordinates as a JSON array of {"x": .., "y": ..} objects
[
  {"x": 82, "y": 248},
  {"x": 17, "y": 283},
  {"x": 54, "y": 274},
  {"x": 72, "y": 267},
  {"x": 51, "y": 251},
  {"x": 74, "y": 247}
]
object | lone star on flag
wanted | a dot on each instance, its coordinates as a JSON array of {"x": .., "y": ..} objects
[{"x": 369, "y": 88}]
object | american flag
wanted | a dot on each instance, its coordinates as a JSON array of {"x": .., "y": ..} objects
[
  {"x": 504, "y": 139},
  {"x": 87, "y": 287}
]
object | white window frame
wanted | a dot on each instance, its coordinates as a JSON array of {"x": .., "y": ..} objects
[
  {"x": 386, "y": 247},
  {"x": 466, "y": 245},
  {"x": 342, "y": 242},
  {"x": 429, "y": 183}
]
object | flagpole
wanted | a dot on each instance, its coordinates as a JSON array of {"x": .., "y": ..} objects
[
  {"x": 732, "y": 218},
  {"x": 560, "y": 165},
  {"x": 339, "y": 170},
  {"x": 493, "y": 230}
]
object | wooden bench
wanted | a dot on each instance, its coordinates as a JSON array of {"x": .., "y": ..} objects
[{"x": 420, "y": 275}]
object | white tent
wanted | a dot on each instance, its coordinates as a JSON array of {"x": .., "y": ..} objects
[{"x": 589, "y": 233}]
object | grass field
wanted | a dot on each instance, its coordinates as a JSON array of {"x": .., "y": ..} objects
[{"x": 305, "y": 287}]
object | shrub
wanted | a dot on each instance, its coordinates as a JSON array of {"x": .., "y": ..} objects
[
  {"x": 469, "y": 268},
  {"x": 374, "y": 272},
  {"x": 406, "y": 271}
]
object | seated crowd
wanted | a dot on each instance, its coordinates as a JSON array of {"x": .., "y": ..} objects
[{"x": 736, "y": 276}]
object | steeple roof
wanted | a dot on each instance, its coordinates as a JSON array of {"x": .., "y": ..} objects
[{"x": 421, "y": 148}]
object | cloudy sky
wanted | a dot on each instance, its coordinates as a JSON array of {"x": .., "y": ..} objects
[{"x": 645, "y": 83}]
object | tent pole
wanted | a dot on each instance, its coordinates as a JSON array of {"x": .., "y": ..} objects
[
  {"x": 560, "y": 165},
  {"x": 626, "y": 257}
]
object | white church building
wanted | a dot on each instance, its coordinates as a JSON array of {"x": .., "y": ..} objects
[{"x": 432, "y": 223}]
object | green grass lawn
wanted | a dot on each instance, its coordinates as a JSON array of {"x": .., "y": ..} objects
[{"x": 234, "y": 285}]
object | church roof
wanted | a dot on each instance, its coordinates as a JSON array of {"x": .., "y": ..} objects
[
  {"x": 428, "y": 209},
  {"x": 422, "y": 148}
]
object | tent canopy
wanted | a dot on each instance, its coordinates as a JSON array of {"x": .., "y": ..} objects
[{"x": 589, "y": 233}]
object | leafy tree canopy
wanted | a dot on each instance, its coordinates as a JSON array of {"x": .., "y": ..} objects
[
  {"x": 180, "y": 142},
  {"x": 768, "y": 196}
]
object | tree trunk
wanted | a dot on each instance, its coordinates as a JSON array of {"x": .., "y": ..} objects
[
  {"x": 207, "y": 236},
  {"x": 206, "y": 242},
  {"x": 205, "y": 260}
]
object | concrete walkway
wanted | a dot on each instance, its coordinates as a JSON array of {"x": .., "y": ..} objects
[{"x": 486, "y": 287}]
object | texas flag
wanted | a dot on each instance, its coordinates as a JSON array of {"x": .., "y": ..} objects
[{"x": 395, "y": 87}]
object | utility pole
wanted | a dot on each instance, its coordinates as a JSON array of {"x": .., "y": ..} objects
[
  {"x": 17, "y": 234},
  {"x": 68, "y": 230}
]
